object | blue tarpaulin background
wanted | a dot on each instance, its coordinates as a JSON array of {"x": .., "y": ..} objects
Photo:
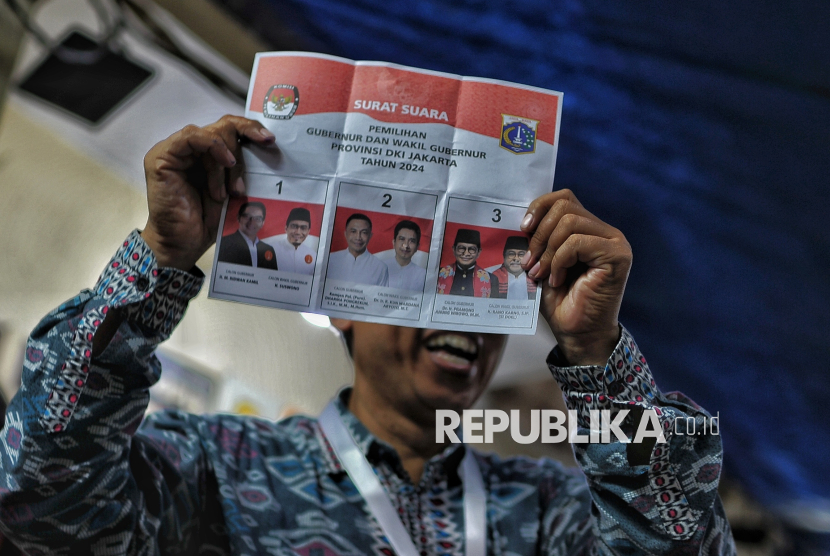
[{"x": 702, "y": 130}]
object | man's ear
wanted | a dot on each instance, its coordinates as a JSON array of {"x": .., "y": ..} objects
[{"x": 343, "y": 325}]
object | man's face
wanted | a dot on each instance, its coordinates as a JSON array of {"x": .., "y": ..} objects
[
  {"x": 421, "y": 370},
  {"x": 405, "y": 245},
  {"x": 513, "y": 261},
  {"x": 358, "y": 234},
  {"x": 251, "y": 221},
  {"x": 297, "y": 231},
  {"x": 466, "y": 253}
]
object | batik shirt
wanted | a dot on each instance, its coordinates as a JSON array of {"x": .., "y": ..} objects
[
  {"x": 473, "y": 282},
  {"x": 80, "y": 476}
]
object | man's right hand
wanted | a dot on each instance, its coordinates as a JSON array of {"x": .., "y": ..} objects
[{"x": 189, "y": 175}]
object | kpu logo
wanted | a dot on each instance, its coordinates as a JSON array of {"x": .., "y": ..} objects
[{"x": 281, "y": 102}]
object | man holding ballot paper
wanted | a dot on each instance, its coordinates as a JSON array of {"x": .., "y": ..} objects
[{"x": 80, "y": 473}]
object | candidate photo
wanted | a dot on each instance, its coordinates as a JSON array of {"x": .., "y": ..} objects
[
  {"x": 464, "y": 276},
  {"x": 355, "y": 263},
  {"x": 243, "y": 247},
  {"x": 296, "y": 249},
  {"x": 406, "y": 272},
  {"x": 510, "y": 281}
]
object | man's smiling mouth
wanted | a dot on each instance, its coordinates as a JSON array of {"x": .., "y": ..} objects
[{"x": 454, "y": 349}]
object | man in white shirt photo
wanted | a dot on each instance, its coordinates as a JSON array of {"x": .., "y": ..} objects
[
  {"x": 403, "y": 273},
  {"x": 356, "y": 264},
  {"x": 293, "y": 255}
]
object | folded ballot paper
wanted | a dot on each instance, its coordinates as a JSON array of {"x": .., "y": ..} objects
[{"x": 395, "y": 195}]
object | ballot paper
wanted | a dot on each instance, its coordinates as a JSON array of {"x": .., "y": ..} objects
[{"x": 394, "y": 195}]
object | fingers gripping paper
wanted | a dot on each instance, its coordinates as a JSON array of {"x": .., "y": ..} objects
[{"x": 395, "y": 195}]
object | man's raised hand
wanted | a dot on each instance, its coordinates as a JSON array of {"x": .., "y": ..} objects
[
  {"x": 189, "y": 175},
  {"x": 584, "y": 264}
]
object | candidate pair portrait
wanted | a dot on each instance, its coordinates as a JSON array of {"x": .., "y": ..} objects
[
  {"x": 287, "y": 253},
  {"x": 466, "y": 277},
  {"x": 394, "y": 270}
]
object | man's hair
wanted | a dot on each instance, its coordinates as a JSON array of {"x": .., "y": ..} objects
[
  {"x": 359, "y": 216},
  {"x": 298, "y": 213},
  {"x": 465, "y": 235},
  {"x": 250, "y": 204},
  {"x": 408, "y": 225},
  {"x": 518, "y": 243}
]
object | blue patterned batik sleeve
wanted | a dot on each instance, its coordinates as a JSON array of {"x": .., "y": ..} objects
[
  {"x": 73, "y": 479},
  {"x": 668, "y": 502}
]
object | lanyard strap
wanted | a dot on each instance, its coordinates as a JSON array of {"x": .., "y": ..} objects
[{"x": 368, "y": 484}]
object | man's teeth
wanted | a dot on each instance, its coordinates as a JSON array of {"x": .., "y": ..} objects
[
  {"x": 450, "y": 358},
  {"x": 461, "y": 343}
]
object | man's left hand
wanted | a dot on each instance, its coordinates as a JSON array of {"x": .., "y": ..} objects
[{"x": 583, "y": 264}]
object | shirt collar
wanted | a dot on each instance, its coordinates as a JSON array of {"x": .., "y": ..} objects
[
  {"x": 512, "y": 278},
  {"x": 361, "y": 256},
  {"x": 378, "y": 452},
  {"x": 248, "y": 240}
]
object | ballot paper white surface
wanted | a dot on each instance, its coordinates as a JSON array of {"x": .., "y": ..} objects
[{"x": 366, "y": 149}]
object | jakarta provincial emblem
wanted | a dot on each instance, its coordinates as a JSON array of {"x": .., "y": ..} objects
[
  {"x": 281, "y": 102},
  {"x": 518, "y": 135}
]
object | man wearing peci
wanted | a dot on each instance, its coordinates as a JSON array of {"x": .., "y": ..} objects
[
  {"x": 355, "y": 263},
  {"x": 293, "y": 255},
  {"x": 243, "y": 246},
  {"x": 80, "y": 473},
  {"x": 510, "y": 281},
  {"x": 403, "y": 273},
  {"x": 464, "y": 276}
]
